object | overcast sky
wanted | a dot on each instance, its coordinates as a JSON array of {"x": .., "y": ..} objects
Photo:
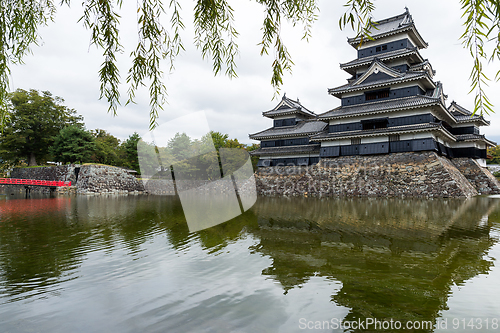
[{"x": 66, "y": 65}]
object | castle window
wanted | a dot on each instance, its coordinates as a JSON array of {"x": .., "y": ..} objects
[
  {"x": 384, "y": 47},
  {"x": 369, "y": 124},
  {"x": 377, "y": 49},
  {"x": 376, "y": 95},
  {"x": 356, "y": 141}
]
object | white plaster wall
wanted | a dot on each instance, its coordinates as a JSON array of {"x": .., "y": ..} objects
[
  {"x": 340, "y": 142},
  {"x": 481, "y": 162},
  {"x": 480, "y": 145},
  {"x": 374, "y": 139},
  {"x": 286, "y": 117},
  {"x": 412, "y": 136}
]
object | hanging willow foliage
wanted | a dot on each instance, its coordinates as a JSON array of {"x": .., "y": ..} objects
[{"x": 215, "y": 36}]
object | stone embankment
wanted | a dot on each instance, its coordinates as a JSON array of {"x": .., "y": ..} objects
[
  {"x": 481, "y": 179},
  {"x": 85, "y": 179},
  {"x": 103, "y": 179},
  {"x": 396, "y": 175},
  {"x": 410, "y": 174}
]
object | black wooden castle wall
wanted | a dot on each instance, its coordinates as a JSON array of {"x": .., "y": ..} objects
[
  {"x": 391, "y": 122},
  {"x": 393, "y": 93},
  {"x": 284, "y": 142},
  {"x": 384, "y": 48},
  {"x": 416, "y": 145}
]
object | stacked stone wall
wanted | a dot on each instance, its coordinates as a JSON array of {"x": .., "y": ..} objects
[
  {"x": 92, "y": 179},
  {"x": 64, "y": 173},
  {"x": 102, "y": 179},
  {"x": 480, "y": 177},
  {"x": 410, "y": 174},
  {"x": 56, "y": 173}
]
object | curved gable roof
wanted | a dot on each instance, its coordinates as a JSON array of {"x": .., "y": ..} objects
[
  {"x": 288, "y": 106},
  {"x": 391, "y": 26}
]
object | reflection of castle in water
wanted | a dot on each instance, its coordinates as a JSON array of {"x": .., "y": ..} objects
[{"x": 395, "y": 258}]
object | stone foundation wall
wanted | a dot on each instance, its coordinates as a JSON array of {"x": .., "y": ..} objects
[
  {"x": 64, "y": 173},
  {"x": 102, "y": 179},
  {"x": 410, "y": 174},
  {"x": 56, "y": 173},
  {"x": 208, "y": 187},
  {"x": 481, "y": 178},
  {"x": 92, "y": 179}
]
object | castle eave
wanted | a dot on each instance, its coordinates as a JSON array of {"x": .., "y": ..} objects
[
  {"x": 385, "y": 131},
  {"x": 304, "y": 128},
  {"x": 409, "y": 76},
  {"x": 385, "y": 106},
  {"x": 475, "y": 138},
  {"x": 355, "y": 42},
  {"x": 396, "y": 54},
  {"x": 296, "y": 150}
]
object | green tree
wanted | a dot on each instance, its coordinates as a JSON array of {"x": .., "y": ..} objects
[
  {"x": 73, "y": 144},
  {"x": 255, "y": 159},
  {"x": 495, "y": 155},
  {"x": 215, "y": 36},
  {"x": 35, "y": 119},
  {"x": 128, "y": 152},
  {"x": 107, "y": 145}
]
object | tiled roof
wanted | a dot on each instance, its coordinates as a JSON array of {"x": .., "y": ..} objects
[
  {"x": 461, "y": 118},
  {"x": 391, "y": 26},
  {"x": 387, "y": 130},
  {"x": 465, "y": 137},
  {"x": 420, "y": 67},
  {"x": 408, "y": 76},
  {"x": 460, "y": 108},
  {"x": 464, "y": 115},
  {"x": 380, "y": 106},
  {"x": 302, "y": 149},
  {"x": 288, "y": 106},
  {"x": 384, "y": 56},
  {"x": 474, "y": 137},
  {"x": 302, "y": 128}
]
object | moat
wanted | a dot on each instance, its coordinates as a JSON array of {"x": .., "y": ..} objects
[{"x": 129, "y": 264}]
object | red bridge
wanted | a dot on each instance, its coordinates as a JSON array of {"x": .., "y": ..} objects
[{"x": 32, "y": 182}]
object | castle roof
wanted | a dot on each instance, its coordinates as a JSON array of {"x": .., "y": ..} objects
[
  {"x": 475, "y": 137},
  {"x": 459, "y": 110},
  {"x": 391, "y": 26},
  {"x": 288, "y": 106},
  {"x": 383, "y": 106},
  {"x": 411, "y": 53},
  {"x": 425, "y": 127},
  {"x": 303, "y": 128},
  {"x": 462, "y": 115},
  {"x": 391, "y": 77}
]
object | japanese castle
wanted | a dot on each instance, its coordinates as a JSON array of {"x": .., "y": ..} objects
[{"x": 391, "y": 104}]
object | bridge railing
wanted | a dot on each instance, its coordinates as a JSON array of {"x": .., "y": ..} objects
[{"x": 33, "y": 182}]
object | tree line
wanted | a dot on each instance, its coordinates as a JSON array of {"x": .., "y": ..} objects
[{"x": 39, "y": 128}]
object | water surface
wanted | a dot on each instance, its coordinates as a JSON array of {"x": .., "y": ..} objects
[{"x": 129, "y": 264}]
